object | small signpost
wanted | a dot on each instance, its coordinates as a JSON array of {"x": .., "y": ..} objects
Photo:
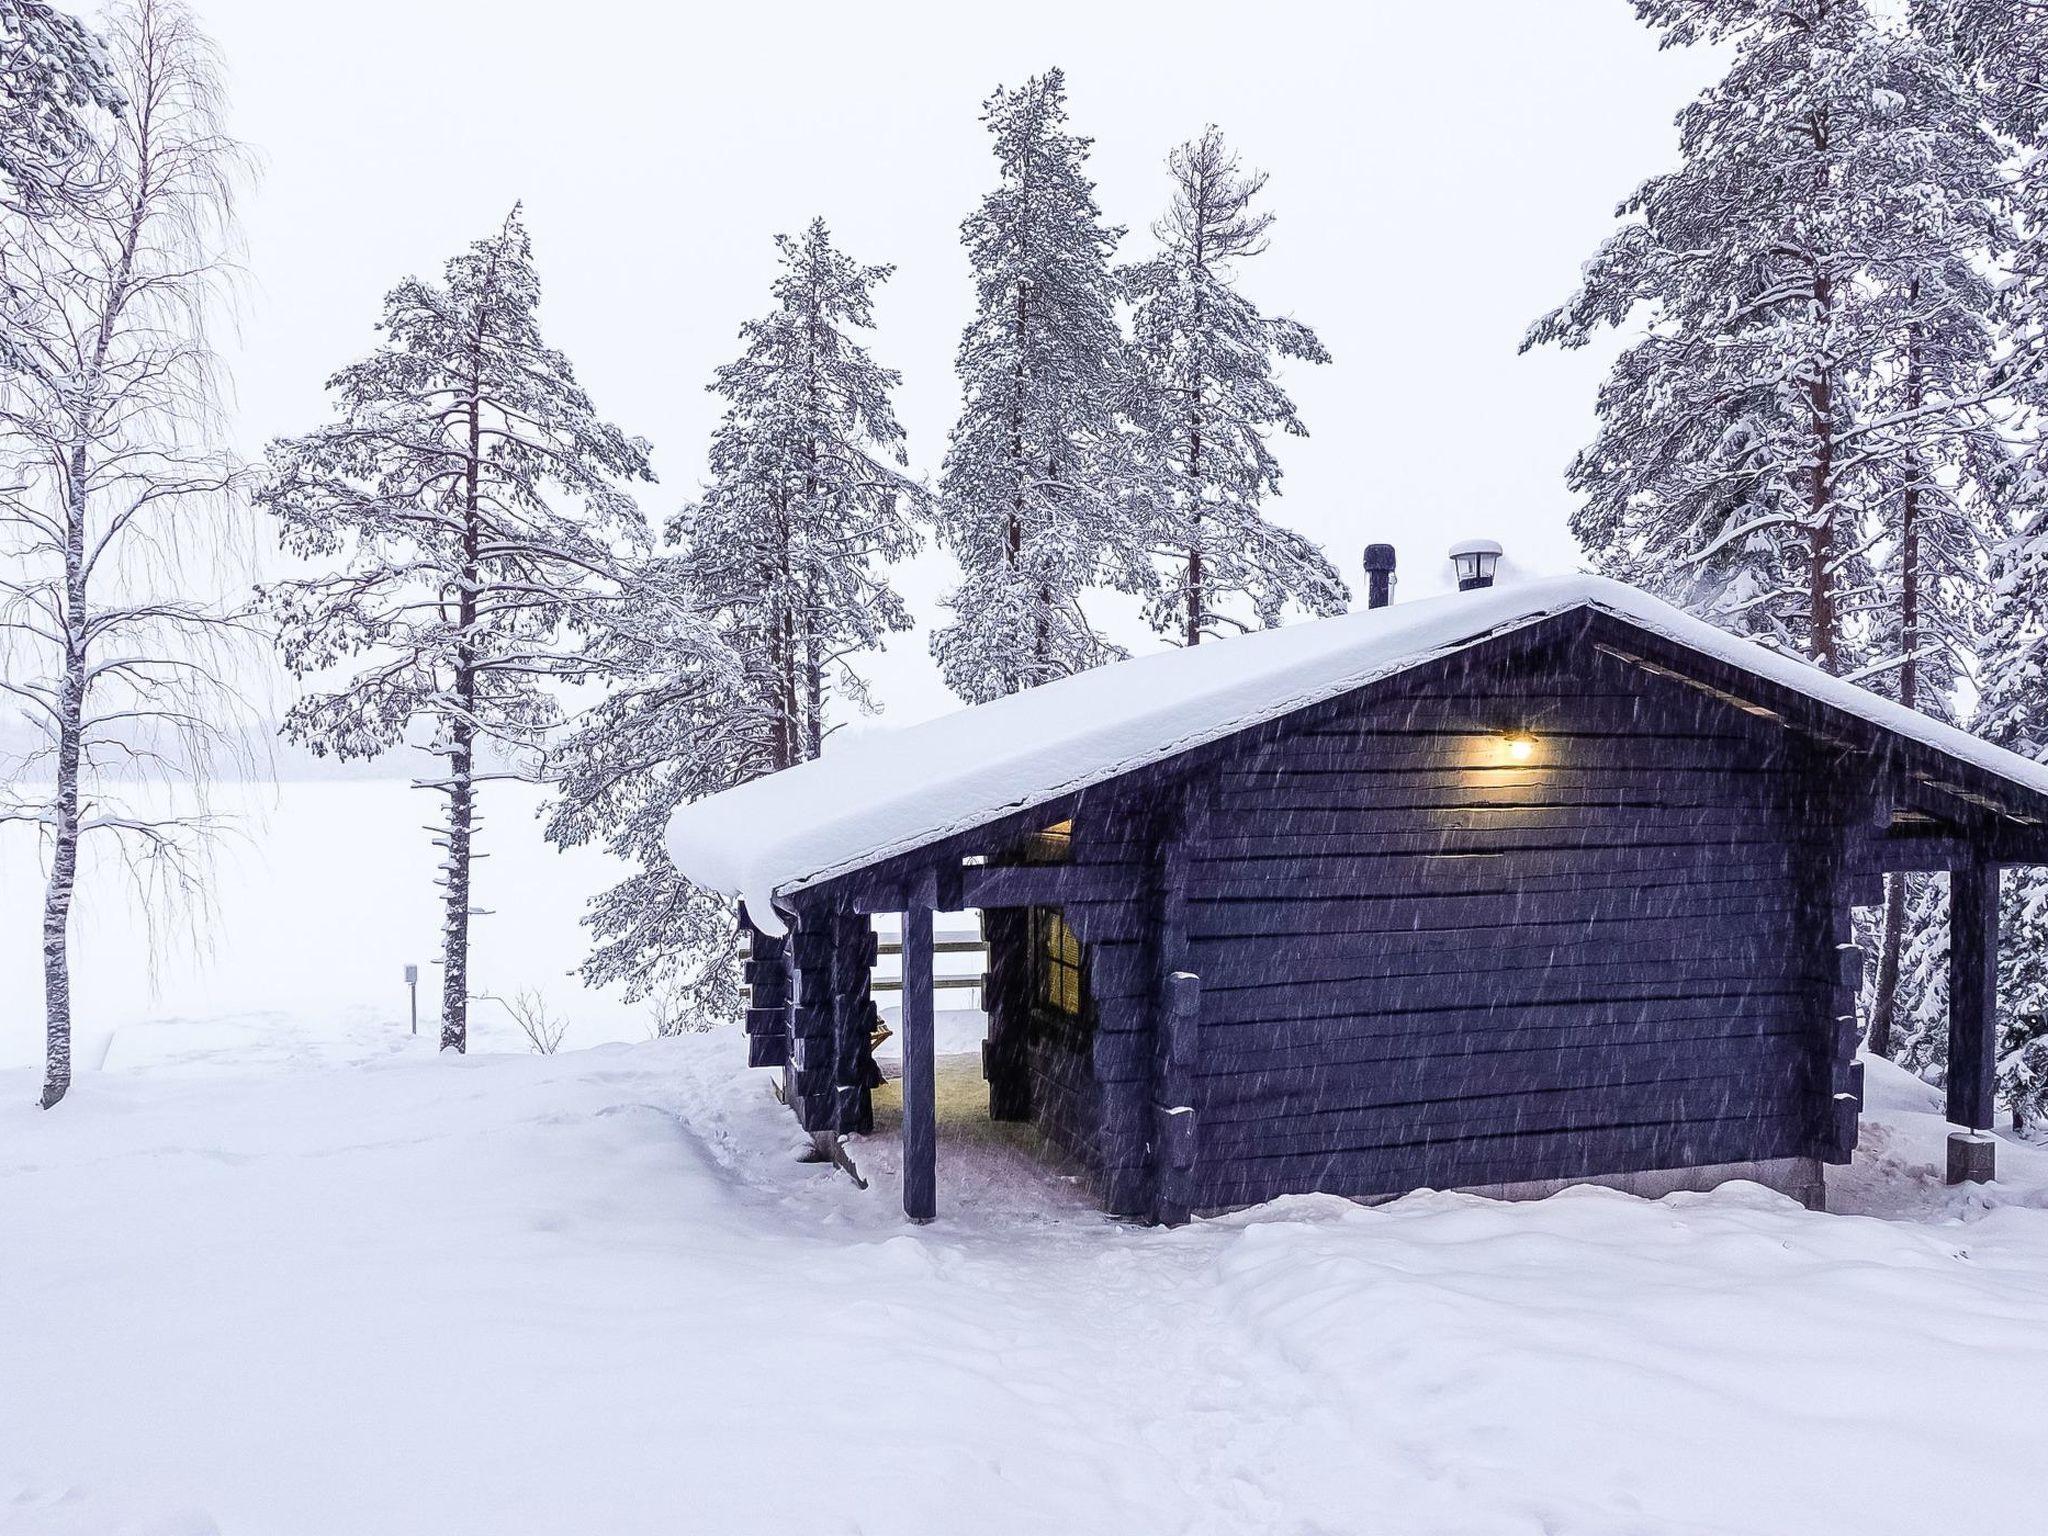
[{"x": 412, "y": 985}]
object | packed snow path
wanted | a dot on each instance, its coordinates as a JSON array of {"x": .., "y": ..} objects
[{"x": 362, "y": 1289}]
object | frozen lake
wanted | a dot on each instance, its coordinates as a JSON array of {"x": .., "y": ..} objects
[{"x": 323, "y": 896}]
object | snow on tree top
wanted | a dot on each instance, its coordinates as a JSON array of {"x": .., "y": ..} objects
[{"x": 887, "y": 792}]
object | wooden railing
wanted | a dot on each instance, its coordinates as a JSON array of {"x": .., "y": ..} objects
[
  {"x": 888, "y": 944},
  {"x": 955, "y": 945}
]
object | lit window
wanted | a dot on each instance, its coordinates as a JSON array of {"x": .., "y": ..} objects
[
  {"x": 1058, "y": 953},
  {"x": 1055, "y": 845}
]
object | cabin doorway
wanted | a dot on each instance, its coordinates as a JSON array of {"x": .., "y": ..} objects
[{"x": 1013, "y": 1035}]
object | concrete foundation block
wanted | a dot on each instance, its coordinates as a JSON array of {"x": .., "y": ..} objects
[{"x": 1972, "y": 1157}]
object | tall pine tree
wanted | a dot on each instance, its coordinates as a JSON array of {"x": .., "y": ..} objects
[
  {"x": 2005, "y": 45},
  {"x": 1932, "y": 447},
  {"x": 1040, "y": 497},
  {"x": 1719, "y": 477},
  {"x": 1205, "y": 358},
  {"x": 679, "y": 719},
  {"x": 808, "y": 503},
  {"x": 466, "y": 511}
]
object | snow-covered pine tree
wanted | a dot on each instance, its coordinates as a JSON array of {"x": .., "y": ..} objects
[
  {"x": 1205, "y": 359},
  {"x": 466, "y": 510},
  {"x": 808, "y": 502},
  {"x": 1932, "y": 445},
  {"x": 2004, "y": 45},
  {"x": 680, "y": 719},
  {"x": 1718, "y": 478},
  {"x": 54, "y": 79},
  {"x": 1039, "y": 497},
  {"x": 2014, "y": 713},
  {"x": 121, "y": 505}
]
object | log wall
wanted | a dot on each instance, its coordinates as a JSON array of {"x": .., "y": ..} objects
[{"x": 1424, "y": 962}]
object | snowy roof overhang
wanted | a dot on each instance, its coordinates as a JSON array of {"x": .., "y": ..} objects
[{"x": 890, "y": 792}]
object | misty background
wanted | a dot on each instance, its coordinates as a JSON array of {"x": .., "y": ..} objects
[{"x": 1438, "y": 173}]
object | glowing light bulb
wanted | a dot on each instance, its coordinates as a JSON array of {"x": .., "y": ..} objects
[{"x": 1521, "y": 748}]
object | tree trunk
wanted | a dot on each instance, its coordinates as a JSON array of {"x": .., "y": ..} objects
[
  {"x": 455, "y": 919},
  {"x": 462, "y": 745},
  {"x": 63, "y": 881},
  {"x": 1820, "y": 510},
  {"x": 1884, "y": 1002}
]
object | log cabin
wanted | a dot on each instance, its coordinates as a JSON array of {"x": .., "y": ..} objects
[{"x": 1511, "y": 887}]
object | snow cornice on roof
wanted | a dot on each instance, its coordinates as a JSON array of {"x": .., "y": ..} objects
[{"x": 891, "y": 791}]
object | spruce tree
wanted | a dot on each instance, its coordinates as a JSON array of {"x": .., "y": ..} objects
[
  {"x": 1205, "y": 361},
  {"x": 679, "y": 719},
  {"x": 2004, "y": 46},
  {"x": 1719, "y": 477},
  {"x": 464, "y": 513},
  {"x": 1041, "y": 497},
  {"x": 1932, "y": 448},
  {"x": 808, "y": 503}
]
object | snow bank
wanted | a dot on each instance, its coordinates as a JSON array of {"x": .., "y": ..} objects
[
  {"x": 887, "y": 792},
  {"x": 597, "y": 1292}
]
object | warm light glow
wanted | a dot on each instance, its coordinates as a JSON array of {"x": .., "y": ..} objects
[{"x": 1521, "y": 748}]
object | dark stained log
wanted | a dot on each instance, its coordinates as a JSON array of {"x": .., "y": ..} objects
[
  {"x": 2007, "y": 843},
  {"x": 1006, "y": 998},
  {"x": 920, "y": 1111},
  {"x": 810, "y": 1077},
  {"x": 1648, "y": 1103},
  {"x": 1043, "y": 885},
  {"x": 1464, "y": 914},
  {"x": 1972, "y": 993},
  {"x": 767, "y": 977},
  {"x": 854, "y": 1017},
  {"x": 1507, "y": 1157},
  {"x": 1176, "y": 1018},
  {"x": 1560, "y": 1065}
]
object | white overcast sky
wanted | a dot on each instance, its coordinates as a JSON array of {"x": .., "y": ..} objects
[{"x": 1439, "y": 171}]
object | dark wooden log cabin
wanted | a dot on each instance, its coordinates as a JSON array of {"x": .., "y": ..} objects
[{"x": 1492, "y": 891}]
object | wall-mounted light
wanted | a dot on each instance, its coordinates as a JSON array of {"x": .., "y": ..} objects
[
  {"x": 1520, "y": 746},
  {"x": 1474, "y": 561}
]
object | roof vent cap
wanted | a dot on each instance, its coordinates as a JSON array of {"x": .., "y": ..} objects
[{"x": 1474, "y": 561}]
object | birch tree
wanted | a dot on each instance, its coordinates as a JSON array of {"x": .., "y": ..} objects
[
  {"x": 1039, "y": 495},
  {"x": 1205, "y": 358},
  {"x": 120, "y": 505},
  {"x": 463, "y": 515}
]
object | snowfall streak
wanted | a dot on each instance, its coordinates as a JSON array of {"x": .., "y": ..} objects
[{"x": 1368, "y": 946}]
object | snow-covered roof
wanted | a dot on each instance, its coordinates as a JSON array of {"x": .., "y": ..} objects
[{"x": 887, "y": 792}]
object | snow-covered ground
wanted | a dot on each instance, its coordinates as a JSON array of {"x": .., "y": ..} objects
[{"x": 276, "y": 1277}]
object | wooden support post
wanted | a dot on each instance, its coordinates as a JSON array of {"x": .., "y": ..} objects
[
  {"x": 1173, "y": 1137},
  {"x": 1972, "y": 999},
  {"x": 1006, "y": 998},
  {"x": 920, "y": 1089},
  {"x": 1176, "y": 1017}
]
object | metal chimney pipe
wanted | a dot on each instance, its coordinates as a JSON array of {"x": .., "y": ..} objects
[{"x": 1379, "y": 575}]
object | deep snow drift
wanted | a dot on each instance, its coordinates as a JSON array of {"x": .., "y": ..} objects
[{"x": 358, "y": 1289}]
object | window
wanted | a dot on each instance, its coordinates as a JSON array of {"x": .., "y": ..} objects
[
  {"x": 1055, "y": 845},
  {"x": 1056, "y": 954}
]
